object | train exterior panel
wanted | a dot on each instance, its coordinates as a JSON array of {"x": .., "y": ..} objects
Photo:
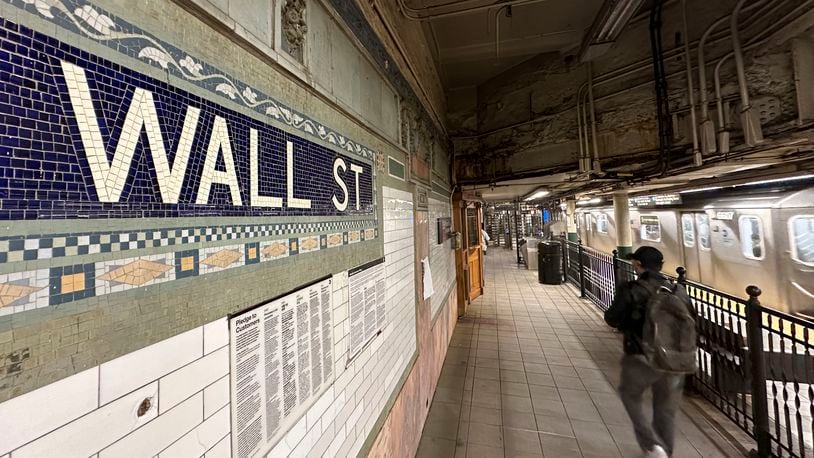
[{"x": 727, "y": 243}]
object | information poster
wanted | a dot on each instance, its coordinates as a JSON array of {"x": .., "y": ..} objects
[
  {"x": 281, "y": 361},
  {"x": 368, "y": 313}
]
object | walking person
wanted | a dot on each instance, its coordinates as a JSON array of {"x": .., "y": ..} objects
[{"x": 658, "y": 322}]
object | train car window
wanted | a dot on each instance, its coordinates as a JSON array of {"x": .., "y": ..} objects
[
  {"x": 751, "y": 234},
  {"x": 703, "y": 231},
  {"x": 688, "y": 230},
  {"x": 602, "y": 223},
  {"x": 802, "y": 239},
  {"x": 651, "y": 228}
]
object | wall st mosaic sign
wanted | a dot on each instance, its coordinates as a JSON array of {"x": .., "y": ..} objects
[
  {"x": 87, "y": 138},
  {"x": 84, "y": 137}
]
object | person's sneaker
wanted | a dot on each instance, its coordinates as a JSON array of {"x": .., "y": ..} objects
[{"x": 657, "y": 452}]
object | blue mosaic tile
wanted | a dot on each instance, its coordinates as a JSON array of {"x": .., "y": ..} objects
[
  {"x": 186, "y": 264},
  {"x": 252, "y": 253},
  {"x": 49, "y": 154},
  {"x": 82, "y": 283}
]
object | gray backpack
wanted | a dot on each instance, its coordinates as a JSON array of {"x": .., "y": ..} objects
[{"x": 669, "y": 334}]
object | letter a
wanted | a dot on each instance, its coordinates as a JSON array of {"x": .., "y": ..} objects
[{"x": 219, "y": 141}]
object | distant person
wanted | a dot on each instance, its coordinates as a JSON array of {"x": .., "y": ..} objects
[
  {"x": 658, "y": 323},
  {"x": 484, "y": 240}
]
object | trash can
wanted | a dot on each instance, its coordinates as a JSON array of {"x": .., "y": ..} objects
[
  {"x": 530, "y": 254},
  {"x": 549, "y": 270}
]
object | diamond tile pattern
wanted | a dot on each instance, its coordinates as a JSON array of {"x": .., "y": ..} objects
[
  {"x": 530, "y": 372},
  {"x": 222, "y": 258},
  {"x": 10, "y": 293},
  {"x": 137, "y": 273}
]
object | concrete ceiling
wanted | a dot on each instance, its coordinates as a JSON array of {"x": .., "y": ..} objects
[{"x": 466, "y": 48}]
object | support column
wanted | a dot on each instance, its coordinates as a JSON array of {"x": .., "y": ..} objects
[
  {"x": 571, "y": 219},
  {"x": 621, "y": 214}
]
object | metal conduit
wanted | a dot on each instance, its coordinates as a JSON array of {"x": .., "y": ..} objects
[
  {"x": 697, "y": 159},
  {"x": 595, "y": 166},
  {"x": 405, "y": 10},
  {"x": 759, "y": 39}
]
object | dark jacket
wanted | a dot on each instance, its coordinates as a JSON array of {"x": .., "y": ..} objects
[{"x": 627, "y": 311}]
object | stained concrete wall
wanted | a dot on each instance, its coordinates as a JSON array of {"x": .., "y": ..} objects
[{"x": 525, "y": 119}]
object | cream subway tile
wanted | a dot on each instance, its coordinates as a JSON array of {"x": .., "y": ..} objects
[
  {"x": 295, "y": 434},
  {"x": 216, "y": 335},
  {"x": 195, "y": 376},
  {"x": 96, "y": 430},
  {"x": 223, "y": 449},
  {"x": 337, "y": 442},
  {"x": 216, "y": 396},
  {"x": 128, "y": 372},
  {"x": 159, "y": 433},
  {"x": 318, "y": 408},
  {"x": 21, "y": 420},
  {"x": 202, "y": 438}
]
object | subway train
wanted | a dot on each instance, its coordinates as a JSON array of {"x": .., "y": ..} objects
[{"x": 727, "y": 240}]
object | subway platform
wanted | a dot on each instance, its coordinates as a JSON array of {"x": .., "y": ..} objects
[{"x": 531, "y": 371}]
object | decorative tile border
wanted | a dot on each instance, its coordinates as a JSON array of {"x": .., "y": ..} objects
[
  {"x": 31, "y": 248},
  {"x": 81, "y": 17},
  {"x": 40, "y": 288}
]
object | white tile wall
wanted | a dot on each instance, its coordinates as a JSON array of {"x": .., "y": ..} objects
[
  {"x": 161, "y": 432},
  {"x": 19, "y": 422},
  {"x": 442, "y": 257},
  {"x": 96, "y": 430},
  {"x": 222, "y": 449},
  {"x": 192, "y": 378},
  {"x": 186, "y": 380},
  {"x": 126, "y": 373},
  {"x": 216, "y": 396},
  {"x": 199, "y": 440}
]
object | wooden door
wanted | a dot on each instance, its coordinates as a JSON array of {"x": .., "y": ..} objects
[{"x": 474, "y": 252}]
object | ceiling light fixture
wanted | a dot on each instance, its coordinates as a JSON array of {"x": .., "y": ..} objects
[
  {"x": 537, "y": 195},
  {"x": 609, "y": 23},
  {"x": 777, "y": 180},
  {"x": 711, "y": 188}
]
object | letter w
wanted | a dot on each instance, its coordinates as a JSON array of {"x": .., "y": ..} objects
[{"x": 109, "y": 178}]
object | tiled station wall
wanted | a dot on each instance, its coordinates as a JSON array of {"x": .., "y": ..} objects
[
  {"x": 115, "y": 280},
  {"x": 185, "y": 380},
  {"x": 442, "y": 257}
]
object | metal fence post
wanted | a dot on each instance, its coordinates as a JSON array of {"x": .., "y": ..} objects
[
  {"x": 682, "y": 276},
  {"x": 760, "y": 401},
  {"x": 616, "y": 279},
  {"x": 565, "y": 255},
  {"x": 581, "y": 269}
]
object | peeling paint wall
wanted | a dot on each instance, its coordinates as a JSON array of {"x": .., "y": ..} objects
[{"x": 525, "y": 119}]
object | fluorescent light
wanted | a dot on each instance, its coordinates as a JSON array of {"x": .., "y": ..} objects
[
  {"x": 538, "y": 195},
  {"x": 777, "y": 180},
  {"x": 711, "y": 188}
]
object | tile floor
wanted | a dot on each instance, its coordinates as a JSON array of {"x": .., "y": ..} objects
[{"x": 530, "y": 372}]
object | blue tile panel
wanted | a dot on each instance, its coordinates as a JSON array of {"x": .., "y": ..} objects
[{"x": 44, "y": 170}]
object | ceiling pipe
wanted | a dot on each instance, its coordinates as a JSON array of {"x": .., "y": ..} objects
[
  {"x": 707, "y": 127},
  {"x": 605, "y": 78},
  {"x": 750, "y": 120},
  {"x": 596, "y": 165},
  {"x": 761, "y": 38},
  {"x": 696, "y": 152},
  {"x": 414, "y": 14},
  {"x": 582, "y": 168}
]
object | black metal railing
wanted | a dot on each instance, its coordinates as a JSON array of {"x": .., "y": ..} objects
[{"x": 755, "y": 363}]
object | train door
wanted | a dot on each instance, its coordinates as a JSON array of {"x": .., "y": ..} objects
[
  {"x": 695, "y": 242},
  {"x": 800, "y": 271}
]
